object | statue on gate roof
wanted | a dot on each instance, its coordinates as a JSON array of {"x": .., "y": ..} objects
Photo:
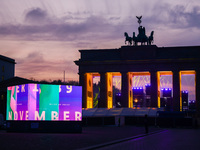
[
  {"x": 139, "y": 19},
  {"x": 141, "y": 37}
]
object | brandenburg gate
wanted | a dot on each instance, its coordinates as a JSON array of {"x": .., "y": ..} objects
[{"x": 129, "y": 61}]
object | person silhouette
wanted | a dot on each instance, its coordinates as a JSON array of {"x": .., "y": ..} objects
[{"x": 146, "y": 124}]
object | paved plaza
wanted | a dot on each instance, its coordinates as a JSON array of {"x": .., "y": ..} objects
[
  {"x": 170, "y": 139},
  {"x": 104, "y": 137}
]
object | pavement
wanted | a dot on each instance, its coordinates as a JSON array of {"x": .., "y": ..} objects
[
  {"x": 170, "y": 139},
  {"x": 104, "y": 137}
]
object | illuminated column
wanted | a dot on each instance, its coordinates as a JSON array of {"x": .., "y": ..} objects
[
  {"x": 197, "y": 83},
  {"x": 88, "y": 92},
  {"x": 180, "y": 87},
  {"x": 158, "y": 89},
  {"x": 176, "y": 90},
  {"x": 155, "y": 95},
  {"x": 130, "y": 92},
  {"x": 127, "y": 93},
  {"x": 109, "y": 89}
]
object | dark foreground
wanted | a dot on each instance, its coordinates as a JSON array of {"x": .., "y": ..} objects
[{"x": 107, "y": 137}]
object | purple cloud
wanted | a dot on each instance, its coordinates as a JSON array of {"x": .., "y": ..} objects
[
  {"x": 39, "y": 25},
  {"x": 36, "y": 15}
]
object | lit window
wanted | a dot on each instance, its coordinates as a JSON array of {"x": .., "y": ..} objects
[
  {"x": 2, "y": 78},
  {"x": 2, "y": 97}
]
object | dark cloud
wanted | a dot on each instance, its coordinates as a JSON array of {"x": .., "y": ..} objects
[
  {"x": 39, "y": 25},
  {"x": 57, "y": 31},
  {"x": 45, "y": 27},
  {"x": 193, "y": 18},
  {"x": 175, "y": 17},
  {"x": 33, "y": 57},
  {"x": 36, "y": 15},
  {"x": 114, "y": 18}
]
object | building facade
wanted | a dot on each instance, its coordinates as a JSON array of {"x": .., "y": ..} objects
[
  {"x": 129, "y": 61},
  {"x": 7, "y": 67},
  {"x": 7, "y": 71}
]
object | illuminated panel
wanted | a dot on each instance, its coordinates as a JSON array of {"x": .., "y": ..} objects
[
  {"x": 140, "y": 73},
  {"x": 89, "y": 89},
  {"x": 158, "y": 88},
  {"x": 139, "y": 79},
  {"x": 109, "y": 90},
  {"x": 167, "y": 92},
  {"x": 148, "y": 89},
  {"x": 44, "y": 102},
  {"x": 181, "y": 105},
  {"x": 130, "y": 91},
  {"x": 118, "y": 99},
  {"x": 159, "y": 74},
  {"x": 138, "y": 91},
  {"x": 117, "y": 80},
  {"x": 138, "y": 94},
  {"x": 165, "y": 73},
  {"x": 188, "y": 72},
  {"x": 184, "y": 95}
]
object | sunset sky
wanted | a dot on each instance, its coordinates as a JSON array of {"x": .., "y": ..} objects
[{"x": 44, "y": 36}]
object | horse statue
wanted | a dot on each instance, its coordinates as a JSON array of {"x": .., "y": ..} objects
[
  {"x": 129, "y": 39},
  {"x": 151, "y": 38},
  {"x": 134, "y": 39}
]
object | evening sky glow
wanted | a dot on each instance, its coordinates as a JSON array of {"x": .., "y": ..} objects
[{"x": 44, "y": 36}]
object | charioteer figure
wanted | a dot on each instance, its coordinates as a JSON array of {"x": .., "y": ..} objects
[{"x": 141, "y": 37}]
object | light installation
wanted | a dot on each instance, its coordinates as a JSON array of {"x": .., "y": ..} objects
[
  {"x": 166, "y": 92},
  {"x": 188, "y": 83},
  {"x": 44, "y": 102}
]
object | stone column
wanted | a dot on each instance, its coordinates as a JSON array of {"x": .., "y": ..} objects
[
  {"x": 103, "y": 96},
  {"x": 154, "y": 88},
  {"x": 83, "y": 84},
  {"x": 125, "y": 90},
  {"x": 130, "y": 90},
  {"x": 176, "y": 90},
  {"x": 197, "y": 77},
  {"x": 109, "y": 90}
]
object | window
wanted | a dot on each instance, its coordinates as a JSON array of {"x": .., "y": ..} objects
[
  {"x": 3, "y": 69},
  {"x": 2, "y": 78}
]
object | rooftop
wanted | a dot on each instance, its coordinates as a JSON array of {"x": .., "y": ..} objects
[
  {"x": 4, "y": 58},
  {"x": 145, "y": 52}
]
